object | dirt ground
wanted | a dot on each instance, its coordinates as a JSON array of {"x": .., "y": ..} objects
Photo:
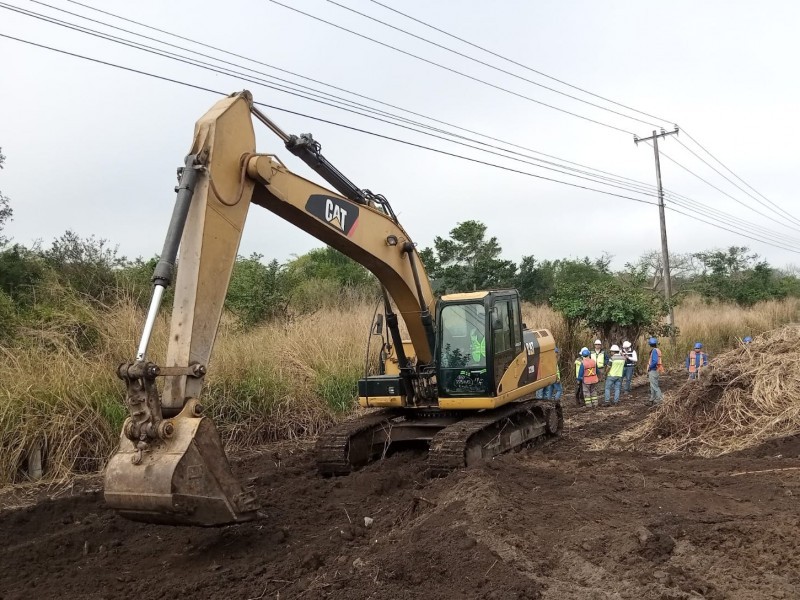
[{"x": 567, "y": 520}]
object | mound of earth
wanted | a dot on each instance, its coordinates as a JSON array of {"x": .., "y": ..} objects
[{"x": 572, "y": 519}]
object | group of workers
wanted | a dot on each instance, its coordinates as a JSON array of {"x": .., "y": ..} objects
[
  {"x": 594, "y": 367},
  {"x": 615, "y": 371}
]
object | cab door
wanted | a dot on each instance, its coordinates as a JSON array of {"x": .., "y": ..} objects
[{"x": 506, "y": 328}]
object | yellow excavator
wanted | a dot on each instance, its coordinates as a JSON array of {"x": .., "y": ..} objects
[{"x": 464, "y": 383}]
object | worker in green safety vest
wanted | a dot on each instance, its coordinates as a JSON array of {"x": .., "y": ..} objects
[{"x": 477, "y": 347}]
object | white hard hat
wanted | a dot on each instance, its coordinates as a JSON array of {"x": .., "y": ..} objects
[
  {"x": 582, "y": 349},
  {"x": 615, "y": 348},
  {"x": 596, "y": 342},
  {"x": 626, "y": 344}
]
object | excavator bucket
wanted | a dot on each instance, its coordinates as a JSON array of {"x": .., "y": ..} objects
[{"x": 184, "y": 479}]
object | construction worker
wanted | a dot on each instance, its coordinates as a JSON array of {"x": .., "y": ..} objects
[
  {"x": 579, "y": 399},
  {"x": 600, "y": 356},
  {"x": 587, "y": 378},
  {"x": 616, "y": 368},
  {"x": 554, "y": 390},
  {"x": 629, "y": 353},
  {"x": 747, "y": 339},
  {"x": 654, "y": 369},
  {"x": 696, "y": 360}
]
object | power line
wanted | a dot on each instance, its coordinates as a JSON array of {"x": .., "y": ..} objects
[
  {"x": 514, "y": 62},
  {"x": 612, "y": 176},
  {"x": 774, "y": 208},
  {"x": 718, "y": 226},
  {"x": 371, "y": 133},
  {"x": 405, "y": 110},
  {"x": 327, "y": 121},
  {"x": 450, "y": 69},
  {"x": 326, "y": 102},
  {"x": 491, "y": 66},
  {"x": 758, "y": 212},
  {"x": 636, "y": 187},
  {"x": 741, "y": 226}
]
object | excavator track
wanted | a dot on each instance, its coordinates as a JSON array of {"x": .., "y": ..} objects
[
  {"x": 348, "y": 446},
  {"x": 489, "y": 433}
]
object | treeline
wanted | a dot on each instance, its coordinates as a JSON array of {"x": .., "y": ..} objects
[
  {"x": 42, "y": 285},
  {"x": 588, "y": 293},
  {"x": 52, "y": 285}
]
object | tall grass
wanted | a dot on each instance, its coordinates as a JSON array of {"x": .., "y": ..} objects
[{"x": 277, "y": 381}]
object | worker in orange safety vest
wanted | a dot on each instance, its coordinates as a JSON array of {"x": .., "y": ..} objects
[
  {"x": 696, "y": 360},
  {"x": 587, "y": 378}
]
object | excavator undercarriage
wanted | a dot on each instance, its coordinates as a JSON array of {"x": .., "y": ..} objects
[{"x": 455, "y": 439}]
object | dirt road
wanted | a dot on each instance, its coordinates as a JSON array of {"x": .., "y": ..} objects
[{"x": 569, "y": 520}]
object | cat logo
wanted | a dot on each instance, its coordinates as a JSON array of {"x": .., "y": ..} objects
[
  {"x": 335, "y": 215},
  {"x": 336, "y": 212}
]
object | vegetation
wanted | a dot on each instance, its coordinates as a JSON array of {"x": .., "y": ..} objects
[{"x": 291, "y": 345}]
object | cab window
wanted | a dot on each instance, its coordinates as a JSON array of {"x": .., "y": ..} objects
[
  {"x": 501, "y": 326},
  {"x": 463, "y": 338}
]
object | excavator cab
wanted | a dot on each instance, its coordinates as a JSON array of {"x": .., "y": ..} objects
[{"x": 480, "y": 337}]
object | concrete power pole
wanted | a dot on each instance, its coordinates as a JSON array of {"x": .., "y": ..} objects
[{"x": 664, "y": 248}]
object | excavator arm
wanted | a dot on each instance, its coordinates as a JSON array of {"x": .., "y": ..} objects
[{"x": 171, "y": 466}]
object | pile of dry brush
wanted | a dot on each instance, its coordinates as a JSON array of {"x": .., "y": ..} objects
[{"x": 743, "y": 398}]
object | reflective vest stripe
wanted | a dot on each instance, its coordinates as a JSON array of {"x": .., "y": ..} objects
[
  {"x": 696, "y": 361},
  {"x": 589, "y": 371}
]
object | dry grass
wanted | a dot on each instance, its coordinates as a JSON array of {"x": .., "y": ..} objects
[
  {"x": 745, "y": 397},
  {"x": 278, "y": 381}
]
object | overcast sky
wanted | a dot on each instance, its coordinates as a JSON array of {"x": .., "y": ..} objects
[{"x": 94, "y": 149}]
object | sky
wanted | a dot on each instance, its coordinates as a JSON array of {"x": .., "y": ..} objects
[{"x": 93, "y": 149}]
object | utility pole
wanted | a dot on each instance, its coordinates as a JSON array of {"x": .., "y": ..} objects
[{"x": 664, "y": 249}]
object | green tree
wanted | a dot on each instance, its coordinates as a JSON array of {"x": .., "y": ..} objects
[
  {"x": 257, "y": 291},
  {"x": 536, "y": 281},
  {"x": 5, "y": 208},
  {"x": 328, "y": 263},
  {"x": 467, "y": 261},
  {"x": 87, "y": 265},
  {"x": 588, "y": 294},
  {"x": 736, "y": 275}
]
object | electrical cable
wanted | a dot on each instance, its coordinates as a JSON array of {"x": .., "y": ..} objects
[
  {"x": 451, "y": 70},
  {"x": 485, "y": 64},
  {"x": 755, "y": 210},
  {"x": 740, "y": 225},
  {"x": 718, "y": 226},
  {"x": 405, "y": 110},
  {"x": 636, "y": 188},
  {"x": 561, "y": 81},
  {"x": 223, "y": 70},
  {"x": 328, "y": 121},
  {"x": 780, "y": 212},
  {"x": 737, "y": 177},
  {"x": 371, "y": 133}
]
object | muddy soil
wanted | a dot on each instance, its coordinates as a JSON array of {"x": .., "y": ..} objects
[{"x": 572, "y": 519}]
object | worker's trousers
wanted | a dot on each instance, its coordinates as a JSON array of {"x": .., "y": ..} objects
[
  {"x": 553, "y": 391},
  {"x": 627, "y": 375},
  {"x": 655, "y": 389},
  {"x": 616, "y": 384},
  {"x": 590, "y": 394}
]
